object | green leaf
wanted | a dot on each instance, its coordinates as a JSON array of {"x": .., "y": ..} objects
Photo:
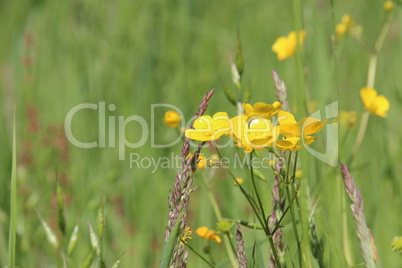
[
  {"x": 167, "y": 252},
  {"x": 13, "y": 205}
]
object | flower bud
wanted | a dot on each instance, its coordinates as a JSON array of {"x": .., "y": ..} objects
[
  {"x": 239, "y": 181},
  {"x": 389, "y": 6},
  {"x": 172, "y": 119}
]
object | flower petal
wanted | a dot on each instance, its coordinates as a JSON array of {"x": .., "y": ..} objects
[
  {"x": 382, "y": 106},
  {"x": 368, "y": 95}
]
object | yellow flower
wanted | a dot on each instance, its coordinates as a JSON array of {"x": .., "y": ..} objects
[
  {"x": 397, "y": 244},
  {"x": 201, "y": 161},
  {"x": 389, "y": 6},
  {"x": 299, "y": 174},
  {"x": 172, "y": 119},
  {"x": 285, "y": 47},
  {"x": 293, "y": 131},
  {"x": 186, "y": 234},
  {"x": 257, "y": 134},
  {"x": 262, "y": 109},
  {"x": 207, "y": 128},
  {"x": 347, "y": 26},
  {"x": 375, "y": 104},
  {"x": 207, "y": 234},
  {"x": 344, "y": 27}
]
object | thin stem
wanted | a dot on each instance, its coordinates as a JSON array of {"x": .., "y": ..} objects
[
  {"x": 292, "y": 213},
  {"x": 256, "y": 192},
  {"x": 218, "y": 214},
  {"x": 370, "y": 83},
  {"x": 360, "y": 136},
  {"x": 256, "y": 212},
  {"x": 199, "y": 255},
  {"x": 283, "y": 215}
]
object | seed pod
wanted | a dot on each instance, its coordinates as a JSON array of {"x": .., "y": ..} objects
[
  {"x": 101, "y": 222},
  {"x": 94, "y": 239},
  {"x": 50, "y": 235},
  {"x": 73, "y": 240},
  {"x": 60, "y": 210}
]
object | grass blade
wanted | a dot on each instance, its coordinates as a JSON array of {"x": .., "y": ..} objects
[
  {"x": 13, "y": 207},
  {"x": 167, "y": 252}
]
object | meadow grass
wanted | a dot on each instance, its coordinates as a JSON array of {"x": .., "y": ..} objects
[{"x": 55, "y": 55}]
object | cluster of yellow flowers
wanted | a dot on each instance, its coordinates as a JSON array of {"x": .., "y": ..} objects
[{"x": 255, "y": 130}]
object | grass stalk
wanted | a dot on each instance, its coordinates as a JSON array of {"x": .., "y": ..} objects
[{"x": 13, "y": 207}]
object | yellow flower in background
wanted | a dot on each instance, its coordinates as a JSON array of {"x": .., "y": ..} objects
[
  {"x": 389, "y": 6},
  {"x": 254, "y": 135},
  {"x": 207, "y": 234},
  {"x": 285, "y": 47},
  {"x": 347, "y": 26},
  {"x": 299, "y": 174},
  {"x": 186, "y": 234},
  {"x": 297, "y": 134},
  {"x": 172, "y": 119},
  {"x": 207, "y": 128},
  {"x": 374, "y": 103},
  {"x": 201, "y": 161},
  {"x": 262, "y": 109},
  {"x": 397, "y": 244}
]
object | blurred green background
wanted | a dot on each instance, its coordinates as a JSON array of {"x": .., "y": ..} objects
[{"x": 57, "y": 54}]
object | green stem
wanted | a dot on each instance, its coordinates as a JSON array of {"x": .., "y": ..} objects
[
  {"x": 256, "y": 212},
  {"x": 360, "y": 136},
  {"x": 218, "y": 214},
  {"x": 292, "y": 213},
  {"x": 256, "y": 192},
  {"x": 370, "y": 83},
  {"x": 199, "y": 255},
  {"x": 13, "y": 204}
]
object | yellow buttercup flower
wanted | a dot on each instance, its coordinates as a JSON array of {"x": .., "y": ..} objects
[
  {"x": 207, "y": 128},
  {"x": 254, "y": 135},
  {"x": 207, "y": 234},
  {"x": 186, "y": 234},
  {"x": 374, "y": 103},
  {"x": 262, "y": 109},
  {"x": 172, "y": 119},
  {"x": 347, "y": 26},
  {"x": 293, "y": 131},
  {"x": 285, "y": 47},
  {"x": 389, "y": 6},
  {"x": 299, "y": 174}
]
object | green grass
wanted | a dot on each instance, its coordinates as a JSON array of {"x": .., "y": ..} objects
[{"x": 137, "y": 53}]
